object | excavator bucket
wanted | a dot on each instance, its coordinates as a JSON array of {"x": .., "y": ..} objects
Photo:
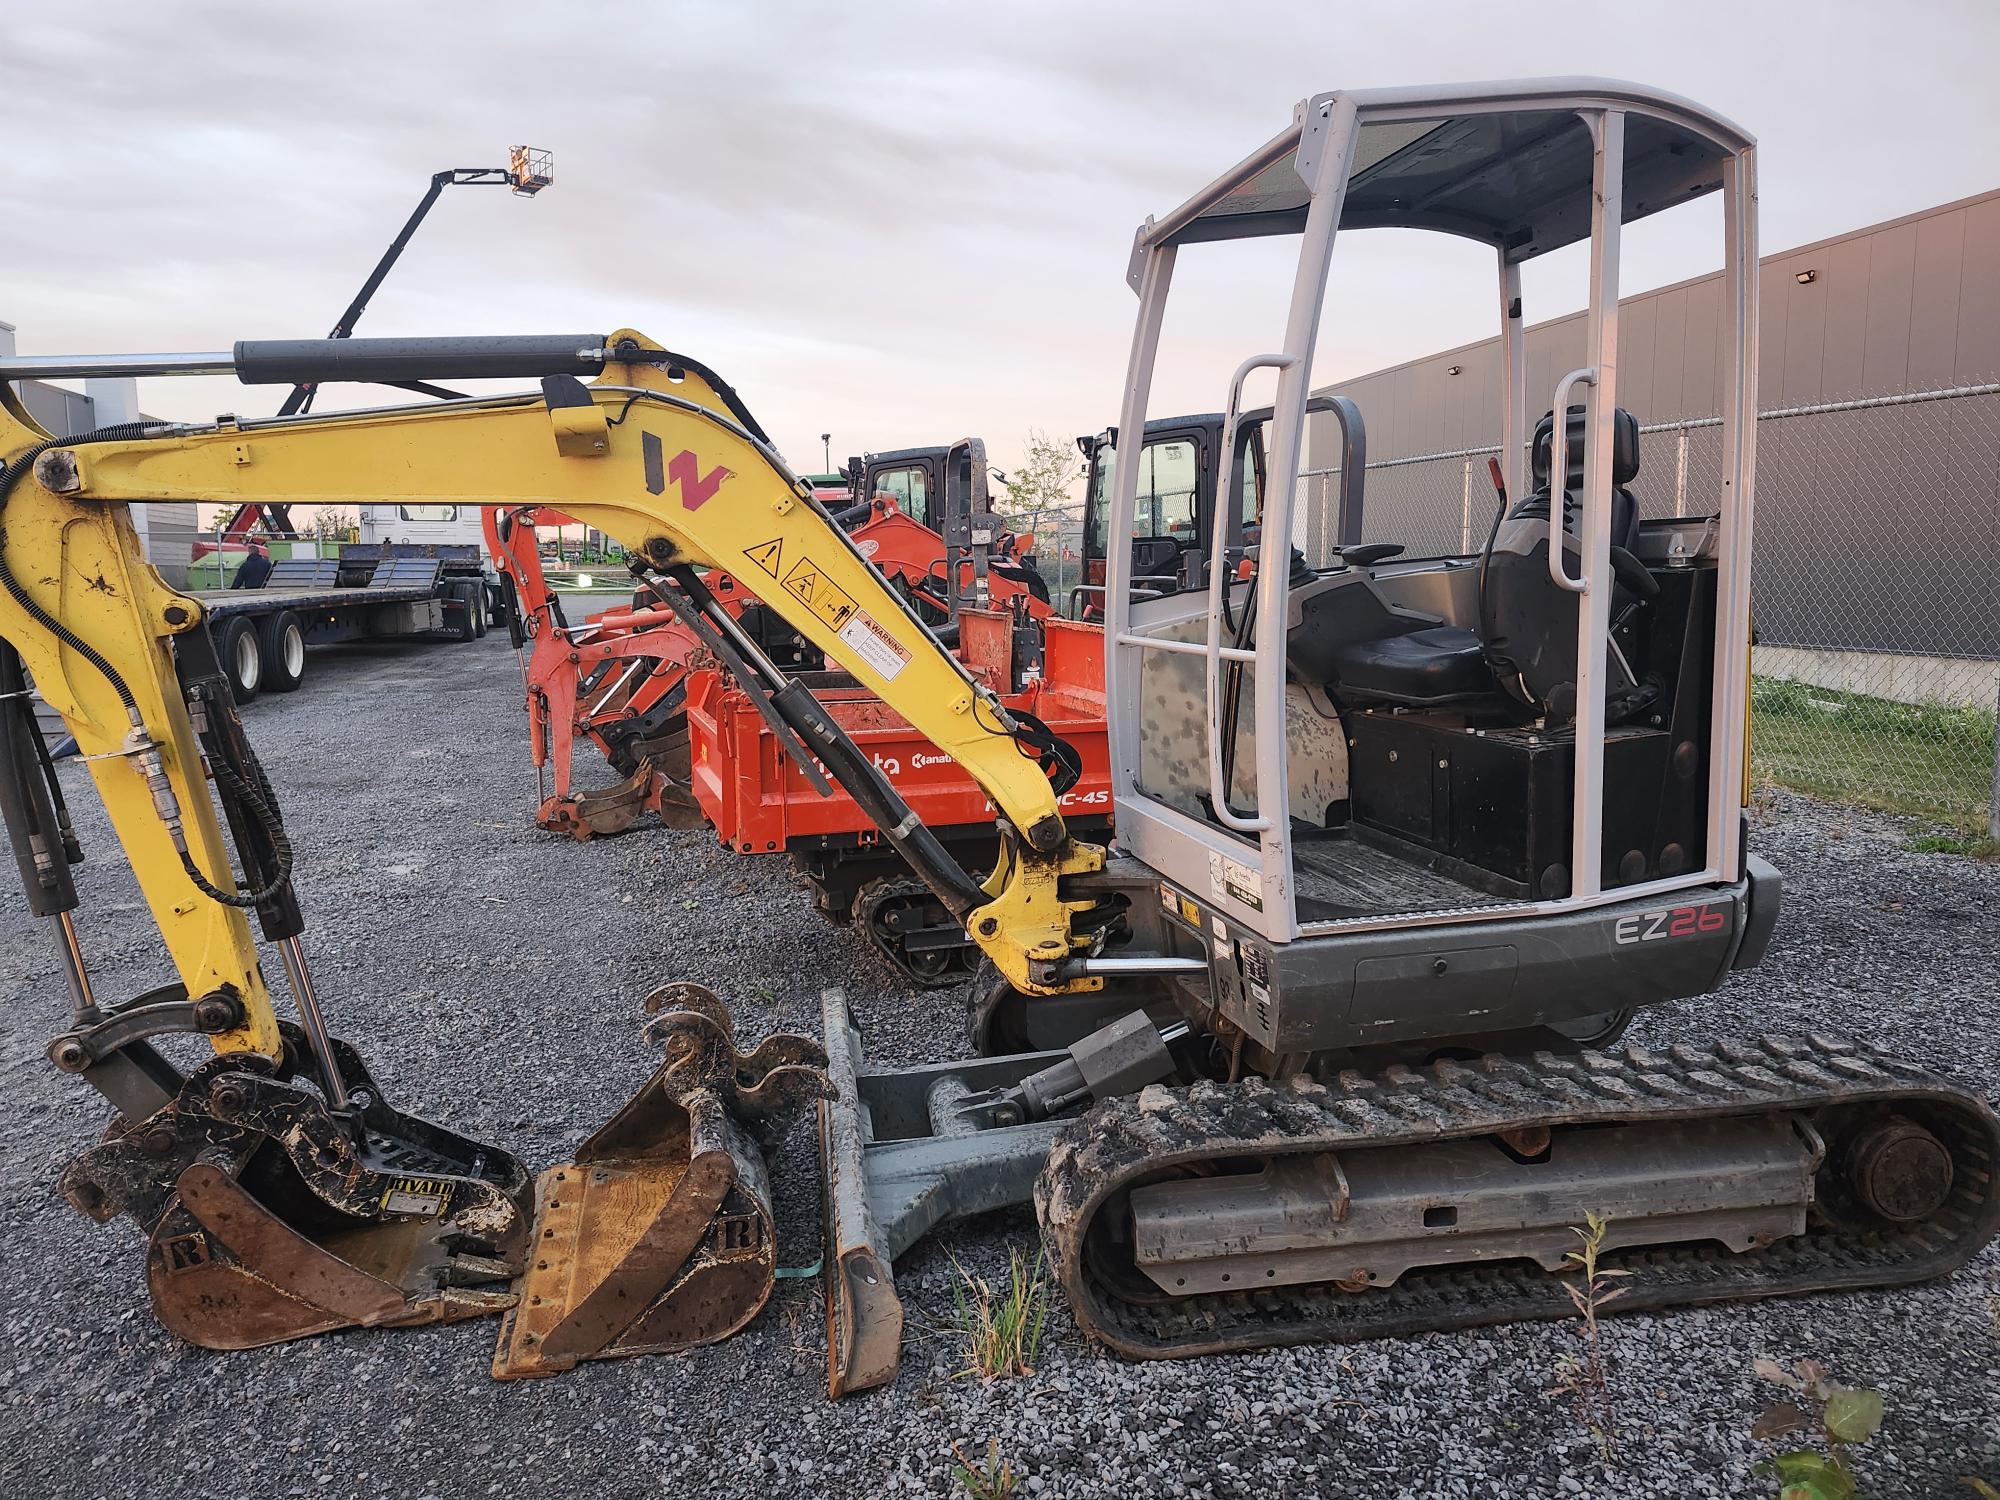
[
  {"x": 615, "y": 808},
  {"x": 659, "y": 1237},
  {"x": 270, "y": 1216}
]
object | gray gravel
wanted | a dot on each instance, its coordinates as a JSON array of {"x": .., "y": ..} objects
[{"x": 493, "y": 975}]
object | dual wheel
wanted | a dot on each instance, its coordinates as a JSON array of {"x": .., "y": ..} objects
[
  {"x": 262, "y": 654},
  {"x": 267, "y": 653}
]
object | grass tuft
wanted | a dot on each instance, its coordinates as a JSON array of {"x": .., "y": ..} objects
[
  {"x": 1002, "y": 1329},
  {"x": 993, "y": 1480}
]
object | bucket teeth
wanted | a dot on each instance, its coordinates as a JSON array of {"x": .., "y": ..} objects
[{"x": 659, "y": 1236}]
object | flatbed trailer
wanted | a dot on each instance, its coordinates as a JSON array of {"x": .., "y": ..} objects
[{"x": 370, "y": 591}]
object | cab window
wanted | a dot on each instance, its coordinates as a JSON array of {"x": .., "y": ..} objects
[
  {"x": 1250, "y": 478},
  {"x": 906, "y": 488},
  {"x": 1164, "y": 508}
]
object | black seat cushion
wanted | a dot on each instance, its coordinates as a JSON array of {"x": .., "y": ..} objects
[{"x": 1440, "y": 665}]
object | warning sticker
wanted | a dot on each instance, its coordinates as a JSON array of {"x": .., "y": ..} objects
[
  {"x": 1228, "y": 878},
  {"x": 876, "y": 646},
  {"x": 423, "y": 1196},
  {"x": 811, "y": 587},
  {"x": 767, "y": 555}
]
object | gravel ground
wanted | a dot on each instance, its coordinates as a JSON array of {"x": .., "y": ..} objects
[{"x": 493, "y": 975}]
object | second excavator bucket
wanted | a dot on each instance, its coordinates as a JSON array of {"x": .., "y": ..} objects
[
  {"x": 270, "y": 1216},
  {"x": 615, "y": 808},
  {"x": 659, "y": 1236}
]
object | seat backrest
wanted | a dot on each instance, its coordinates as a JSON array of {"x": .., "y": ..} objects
[
  {"x": 1624, "y": 448},
  {"x": 1527, "y": 626},
  {"x": 1624, "y": 469}
]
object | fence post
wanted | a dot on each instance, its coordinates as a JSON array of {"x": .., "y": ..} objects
[
  {"x": 1993, "y": 796},
  {"x": 1681, "y": 474},
  {"x": 1465, "y": 508}
]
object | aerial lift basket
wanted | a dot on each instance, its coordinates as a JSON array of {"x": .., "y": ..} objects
[{"x": 659, "y": 1237}]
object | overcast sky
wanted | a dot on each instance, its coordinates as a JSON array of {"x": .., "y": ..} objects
[{"x": 901, "y": 223}]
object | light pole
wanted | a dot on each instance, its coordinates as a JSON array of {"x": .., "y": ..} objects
[{"x": 826, "y": 452}]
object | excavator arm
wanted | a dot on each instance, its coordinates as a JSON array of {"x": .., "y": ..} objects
[
  {"x": 280, "y": 1193},
  {"x": 654, "y": 452}
]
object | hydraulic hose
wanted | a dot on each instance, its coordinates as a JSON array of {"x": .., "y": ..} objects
[
  {"x": 11, "y": 476},
  {"x": 164, "y": 799}
]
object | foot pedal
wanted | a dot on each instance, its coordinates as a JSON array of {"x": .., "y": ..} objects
[
  {"x": 270, "y": 1218},
  {"x": 658, "y": 1237}
]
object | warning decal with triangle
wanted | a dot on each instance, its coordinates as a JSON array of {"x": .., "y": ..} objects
[
  {"x": 767, "y": 555},
  {"x": 809, "y": 586},
  {"x": 801, "y": 580}
]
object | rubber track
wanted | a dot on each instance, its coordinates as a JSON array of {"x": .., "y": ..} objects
[{"x": 1125, "y": 1142}]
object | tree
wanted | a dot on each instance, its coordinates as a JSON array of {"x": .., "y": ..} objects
[
  {"x": 331, "y": 525},
  {"x": 1041, "y": 482},
  {"x": 1035, "y": 497}
]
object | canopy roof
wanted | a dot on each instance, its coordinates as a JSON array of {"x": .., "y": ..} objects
[{"x": 1508, "y": 164}]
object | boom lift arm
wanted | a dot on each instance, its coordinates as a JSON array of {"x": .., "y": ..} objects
[{"x": 656, "y": 453}]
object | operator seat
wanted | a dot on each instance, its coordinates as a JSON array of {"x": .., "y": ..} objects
[
  {"x": 1525, "y": 647},
  {"x": 1527, "y": 623}
]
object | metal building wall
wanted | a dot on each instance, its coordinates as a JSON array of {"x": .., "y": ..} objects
[{"x": 1894, "y": 511}]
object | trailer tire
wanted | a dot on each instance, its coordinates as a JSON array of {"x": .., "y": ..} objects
[
  {"x": 465, "y": 627},
  {"x": 475, "y": 598},
  {"x": 281, "y": 641},
  {"x": 242, "y": 658}
]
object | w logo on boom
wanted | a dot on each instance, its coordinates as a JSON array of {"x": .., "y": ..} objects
[{"x": 684, "y": 469}]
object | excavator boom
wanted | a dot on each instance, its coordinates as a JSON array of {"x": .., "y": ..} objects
[
  {"x": 655, "y": 455},
  {"x": 281, "y": 1194}
]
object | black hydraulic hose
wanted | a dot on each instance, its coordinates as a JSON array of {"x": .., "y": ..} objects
[
  {"x": 1059, "y": 759},
  {"x": 11, "y": 476},
  {"x": 72, "y": 846},
  {"x": 264, "y": 812}
]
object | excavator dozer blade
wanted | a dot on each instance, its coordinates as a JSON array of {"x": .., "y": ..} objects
[
  {"x": 270, "y": 1216},
  {"x": 659, "y": 1236},
  {"x": 864, "y": 1316}
]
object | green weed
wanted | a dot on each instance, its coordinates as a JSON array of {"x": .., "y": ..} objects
[
  {"x": 1844, "y": 1416},
  {"x": 1002, "y": 1330}
]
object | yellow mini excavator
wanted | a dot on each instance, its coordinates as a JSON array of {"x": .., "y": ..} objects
[{"x": 1322, "y": 1049}]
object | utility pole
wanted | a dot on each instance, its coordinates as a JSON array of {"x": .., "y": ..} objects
[{"x": 826, "y": 452}]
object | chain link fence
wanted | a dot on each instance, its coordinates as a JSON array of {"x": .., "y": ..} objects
[{"x": 1876, "y": 579}]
